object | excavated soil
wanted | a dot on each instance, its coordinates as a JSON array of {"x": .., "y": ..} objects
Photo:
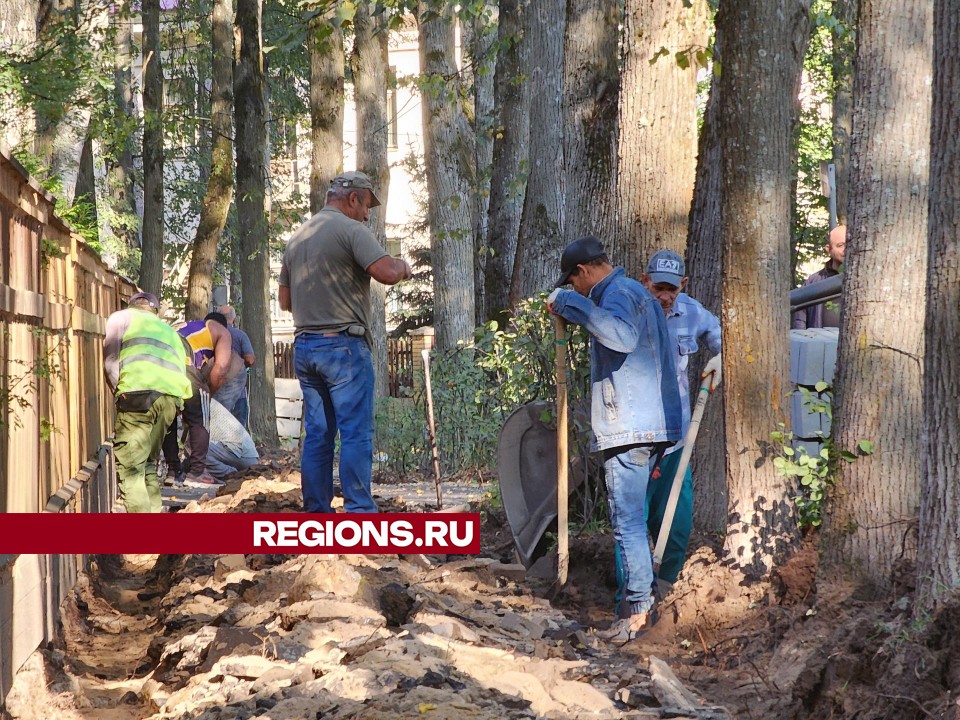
[{"x": 284, "y": 637}]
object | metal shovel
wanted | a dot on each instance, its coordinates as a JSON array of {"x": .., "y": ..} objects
[{"x": 688, "y": 441}]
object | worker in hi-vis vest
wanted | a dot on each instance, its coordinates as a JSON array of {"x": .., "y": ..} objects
[{"x": 146, "y": 368}]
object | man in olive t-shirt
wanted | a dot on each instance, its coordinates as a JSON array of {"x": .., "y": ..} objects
[{"x": 325, "y": 283}]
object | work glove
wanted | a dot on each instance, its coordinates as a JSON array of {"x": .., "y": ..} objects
[{"x": 714, "y": 368}]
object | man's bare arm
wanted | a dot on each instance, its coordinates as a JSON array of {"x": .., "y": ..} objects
[
  {"x": 284, "y": 297},
  {"x": 390, "y": 270},
  {"x": 222, "y": 352}
]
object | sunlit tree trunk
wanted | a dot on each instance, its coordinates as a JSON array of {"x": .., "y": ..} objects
[
  {"x": 120, "y": 170},
  {"x": 658, "y": 127},
  {"x": 879, "y": 377},
  {"x": 369, "y": 64},
  {"x": 591, "y": 92},
  {"x": 844, "y": 49},
  {"x": 540, "y": 241},
  {"x": 478, "y": 39},
  {"x": 508, "y": 179},
  {"x": 938, "y": 559},
  {"x": 253, "y": 233},
  {"x": 764, "y": 44},
  {"x": 705, "y": 269},
  {"x": 151, "y": 257},
  {"x": 326, "y": 106},
  {"x": 448, "y": 156},
  {"x": 216, "y": 203}
]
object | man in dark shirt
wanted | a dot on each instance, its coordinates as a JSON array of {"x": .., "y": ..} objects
[{"x": 824, "y": 314}]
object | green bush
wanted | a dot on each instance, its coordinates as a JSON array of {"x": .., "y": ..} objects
[{"x": 475, "y": 388}]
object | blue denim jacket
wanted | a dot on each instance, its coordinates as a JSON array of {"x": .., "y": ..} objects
[{"x": 635, "y": 397}]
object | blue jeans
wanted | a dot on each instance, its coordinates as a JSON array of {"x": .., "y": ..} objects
[
  {"x": 336, "y": 376},
  {"x": 627, "y": 472}
]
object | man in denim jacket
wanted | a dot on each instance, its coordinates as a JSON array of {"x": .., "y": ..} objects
[{"x": 635, "y": 404}]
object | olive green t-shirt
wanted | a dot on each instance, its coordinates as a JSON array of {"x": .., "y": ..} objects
[{"x": 325, "y": 267}]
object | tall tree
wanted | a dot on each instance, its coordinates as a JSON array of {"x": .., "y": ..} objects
[
  {"x": 508, "y": 180},
  {"x": 252, "y": 230},
  {"x": 478, "y": 29},
  {"x": 938, "y": 559},
  {"x": 151, "y": 257},
  {"x": 541, "y": 226},
  {"x": 216, "y": 202},
  {"x": 326, "y": 104},
  {"x": 448, "y": 156},
  {"x": 120, "y": 169},
  {"x": 844, "y": 48},
  {"x": 875, "y": 501},
  {"x": 764, "y": 44},
  {"x": 591, "y": 89},
  {"x": 662, "y": 41},
  {"x": 705, "y": 268},
  {"x": 369, "y": 64}
]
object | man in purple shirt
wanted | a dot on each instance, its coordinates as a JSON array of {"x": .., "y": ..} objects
[{"x": 824, "y": 314}]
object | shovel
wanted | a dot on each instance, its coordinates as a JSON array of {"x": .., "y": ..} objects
[
  {"x": 688, "y": 441},
  {"x": 563, "y": 541}
]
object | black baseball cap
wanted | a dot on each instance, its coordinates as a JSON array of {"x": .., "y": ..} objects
[{"x": 577, "y": 253}]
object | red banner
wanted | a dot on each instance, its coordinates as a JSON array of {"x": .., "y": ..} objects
[{"x": 229, "y": 533}]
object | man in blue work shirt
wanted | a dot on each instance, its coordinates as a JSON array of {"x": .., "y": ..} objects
[
  {"x": 635, "y": 405},
  {"x": 689, "y": 325}
]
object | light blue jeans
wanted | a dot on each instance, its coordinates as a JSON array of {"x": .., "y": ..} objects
[
  {"x": 627, "y": 472},
  {"x": 336, "y": 376}
]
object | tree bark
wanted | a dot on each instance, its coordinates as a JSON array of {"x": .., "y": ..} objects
[
  {"x": 479, "y": 41},
  {"x": 658, "y": 128},
  {"x": 541, "y": 226},
  {"x": 591, "y": 90},
  {"x": 151, "y": 256},
  {"x": 326, "y": 106},
  {"x": 120, "y": 169},
  {"x": 216, "y": 203},
  {"x": 252, "y": 230},
  {"x": 369, "y": 64},
  {"x": 705, "y": 269},
  {"x": 508, "y": 175},
  {"x": 874, "y": 504},
  {"x": 448, "y": 156},
  {"x": 938, "y": 566},
  {"x": 764, "y": 44},
  {"x": 844, "y": 49}
]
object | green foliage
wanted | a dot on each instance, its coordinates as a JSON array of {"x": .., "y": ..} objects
[
  {"x": 475, "y": 389},
  {"x": 23, "y": 379},
  {"x": 815, "y": 474}
]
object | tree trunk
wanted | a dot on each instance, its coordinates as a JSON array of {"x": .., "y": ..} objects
[
  {"x": 369, "y": 65},
  {"x": 844, "y": 49},
  {"x": 508, "y": 174},
  {"x": 479, "y": 41},
  {"x": 875, "y": 501},
  {"x": 448, "y": 156},
  {"x": 151, "y": 256},
  {"x": 326, "y": 106},
  {"x": 62, "y": 135},
  {"x": 705, "y": 269},
  {"x": 938, "y": 566},
  {"x": 541, "y": 226},
  {"x": 756, "y": 121},
  {"x": 591, "y": 89},
  {"x": 252, "y": 230},
  {"x": 120, "y": 169},
  {"x": 216, "y": 203},
  {"x": 658, "y": 128}
]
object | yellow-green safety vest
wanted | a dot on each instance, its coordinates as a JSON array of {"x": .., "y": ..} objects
[{"x": 152, "y": 357}]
